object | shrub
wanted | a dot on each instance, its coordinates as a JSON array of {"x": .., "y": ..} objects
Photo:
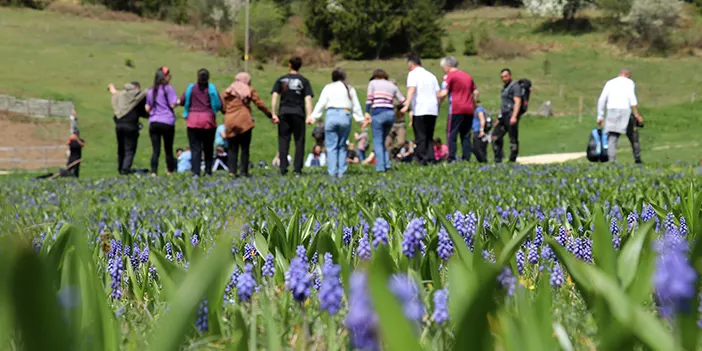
[
  {"x": 649, "y": 22},
  {"x": 35, "y": 4},
  {"x": 266, "y": 22},
  {"x": 492, "y": 47},
  {"x": 469, "y": 47},
  {"x": 449, "y": 47}
]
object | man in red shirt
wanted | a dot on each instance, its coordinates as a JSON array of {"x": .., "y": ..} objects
[{"x": 462, "y": 93}]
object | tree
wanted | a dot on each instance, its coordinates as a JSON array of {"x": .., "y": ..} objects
[
  {"x": 567, "y": 9},
  {"x": 318, "y": 21}
]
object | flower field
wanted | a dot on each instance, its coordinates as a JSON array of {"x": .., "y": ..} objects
[{"x": 567, "y": 257}]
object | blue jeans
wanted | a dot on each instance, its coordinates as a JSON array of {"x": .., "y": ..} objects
[
  {"x": 336, "y": 131},
  {"x": 361, "y": 155},
  {"x": 382, "y": 121}
]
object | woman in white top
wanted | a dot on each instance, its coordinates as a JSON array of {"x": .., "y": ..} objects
[{"x": 340, "y": 102}]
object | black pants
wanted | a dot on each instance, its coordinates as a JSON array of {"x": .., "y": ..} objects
[
  {"x": 479, "y": 148},
  {"x": 500, "y": 131},
  {"x": 201, "y": 141},
  {"x": 127, "y": 141},
  {"x": 158, "y": 131},
  {"x": 632, "y": 133},
  {"x": 242, "y": 141},
  {"x": 459, "y": 125},
  {"x": 75, "y": 170},
  {"x": 424, "y": 138},
  {"x": 291, "y": 125}
]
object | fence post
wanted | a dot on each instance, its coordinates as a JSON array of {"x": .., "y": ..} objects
[{"x": 580, "y": 109}]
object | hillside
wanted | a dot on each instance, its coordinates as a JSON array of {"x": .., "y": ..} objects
[{"x": 50, "y": 55}]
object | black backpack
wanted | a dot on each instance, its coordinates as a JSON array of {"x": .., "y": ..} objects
[{"x": 525, "y": 84}]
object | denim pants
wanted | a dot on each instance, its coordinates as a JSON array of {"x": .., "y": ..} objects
[
  {"x": 336, "y": 131},
  {"x": 382, "y": 121}
]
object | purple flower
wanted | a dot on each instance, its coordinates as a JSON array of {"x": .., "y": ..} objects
[
  {"x": 631, "y": 220},
  {"x": 674, "y": 277},
  {"x": 179, "y": 256},
  {"x": 361, "y": 320},
  {"x": 364, "y": 249},
  {"x": 562, "y": 238},
  {"x": 201, "y": 322},
  {"x": 556, "y": 278},
  {"x": 232, "y": 283},
  {"x": 347, "y": 236},
  {"x": 569, "y": 217},
  {"x": 616, "y": 242},
  {"x": 519, "y": 257},
  {"x": 381, "y": 229},
  {"x": 647, "y": 213},
  {"x": 414, "y": 234},
  {"x": 488, "y": 256},
  {"x": 440, "y": 314},
  {"x": 683, "y": 228},
  {"x": 245, "y": 284},
  {"x": 613, "y": 228},
  {"x": 134, "y": 259},
  {"x": 298, "y": 279},
  {"x": 268, "y": 269},
  {"x": 669, "y": 223},
  {"x": 301, "y": 252},
  {"x": 405, "y": 290},
  {"x": 116, "y": 268},
  {"x": 249, "y": 252},
  {"x": 331, "y": 293},
  {"x": 539, "y": 237},
  {"x": 445, "y": 247},
  {"x": 315, "y": 259},
  {"x": 508, "y": 281},
  {"x": 194, "y": 240},
  {"x": 533, "y": 254},
  {"x": 583, "y": 249}
]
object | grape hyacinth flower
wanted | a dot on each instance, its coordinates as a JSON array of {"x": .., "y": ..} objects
[
  {"x": 539, "y": 237},
  {"x": 347, "y": 236},
  {"x": 631, "y": 220},
  {"x": 231, "y": 284},
  {"x": 328, "y": 260},
  {"x": 445, "y": 247},
  {"x": 508, "y": 281},
  {"x": 249, "y": 252},
  {"x": 268, "y": 269},
  {"x": 562, "y": 238},
  {"x": 134, "y": 259},
  {"x": 194, "y": 240},
  {"x": 381, "y": 229},
  {"x": 583, "y": 249},
  {"x": 179, "y": 256},
  {"x": 674, "y": 277},
  {"x": 488, "y": 256},
  {"x": 361, "y": 320},
  {"x": 569, "y": 217},
  {"x": 414, "y": 234},
  {"x": 647, "y": 213},
  {"x": 116, "y": 268},
  {"x": 245, "y": 284},
  {"x": 683, "y": 229},
  {"x": 533, "y": 254},
  {"x": 405, "y": 290},
  {"x": 613, "y": 228},
  {"x": 298, "y": 279},
  {"x": 364, "y": 249},
  {"x": 556, "y": 278},
  {"x": 520, "y": 261},
  {"x": 440, "y": 314},
  {"x": 301, "y": 252},
  {"x": 316, "y": 282},
  {"x": 616, "y": 242},
  {"x": 315, "y": 259},
  {"x": 331, "y": 293},
  {"x": 201, "y": 322}
]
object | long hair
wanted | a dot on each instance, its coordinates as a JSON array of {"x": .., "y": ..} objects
[
  {"x": 159, "y": 80},
  {"x": 203, "y": 78},
  {"x": 338, "y": 75}
]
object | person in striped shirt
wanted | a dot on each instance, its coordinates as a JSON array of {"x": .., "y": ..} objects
[{"x": 380, "y": 113}]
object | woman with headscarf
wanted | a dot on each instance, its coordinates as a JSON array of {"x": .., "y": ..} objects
[
  {"x": 160, "y": 102},
  {"x": 238, "y": 121},
  {"x": 340, "y": 102},
  {"x": 201, "y": 102},
  {"x": 128, "y": 105}
]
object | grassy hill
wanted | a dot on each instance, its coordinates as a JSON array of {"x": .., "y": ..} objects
[{"x": 50, "y": 55}]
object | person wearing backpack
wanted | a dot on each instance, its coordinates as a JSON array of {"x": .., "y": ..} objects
[
  {"x": 160, "y": 102},
  {"x": 201, "y": 103},
  {"x": 480, "y": 127},
  {"x": 514, "y": 103}
]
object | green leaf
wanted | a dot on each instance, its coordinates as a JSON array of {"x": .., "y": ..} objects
[
  {"x": 133, "y": 283},
  {"x": 271, "y": 325},
  {"x": 261, "y": 244},
  {"x": 175, "y": 323},
  {"x": 169, "y": 274},
  {"x": 513, "y": 245},
  {"x": 603, "y": 250},
  {"x": 241, "y": 331},
  {"x": 628, "y": 260},
  {"x": 395, "y": 329},
  {"x": 476, "y": 301}
]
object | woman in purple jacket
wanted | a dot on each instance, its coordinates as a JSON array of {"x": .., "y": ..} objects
[{"x": 160, "y": 102}]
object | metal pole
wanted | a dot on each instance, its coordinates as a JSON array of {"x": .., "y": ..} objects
[{"x": 246, "y": 39}]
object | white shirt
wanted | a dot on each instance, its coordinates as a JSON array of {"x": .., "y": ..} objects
[
  {"x": 336, "y": 95},
  {"x": 424, "y": 101},
  {"x": 322, "y": 160},
  {"x": 618, "y": 93}
]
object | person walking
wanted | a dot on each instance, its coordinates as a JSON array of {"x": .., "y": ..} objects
[
  {"x": 239, "y": 122},
  {"x": 462, "y": 92},
  {"x": 201, "y": 103},
  {"x": 479, "y": 138},
  {"x": 340, "y": 102},
  {"x": 295, "y": 93},
  {"x": 398, "y": 132},
  {"x": 422, "y": 87},
  {"x": 128, "y": 106},
  {"x": 618, "y": 100},
  {"x": 380, "y": 113},
  {"x": 510, "y": 111},
  {"x": 161, "y": 99}
]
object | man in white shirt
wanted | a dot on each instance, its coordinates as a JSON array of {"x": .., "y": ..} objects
[
  {"x": 618, "y": 98},
  {"x": 422, "y": 87}
]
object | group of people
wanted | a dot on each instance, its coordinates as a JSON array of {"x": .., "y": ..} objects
[{"x": 338, "y": 105}]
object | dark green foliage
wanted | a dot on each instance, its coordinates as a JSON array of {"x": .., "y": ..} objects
[
  {"x": 35, "y": 4},
  {"x": 469, "y": 46},
  {"x": 450, "y": 48},
  {"x": 375, "y": 28}
]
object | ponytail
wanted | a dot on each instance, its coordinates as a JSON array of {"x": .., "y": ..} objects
[{"x": 338, "y": 75}]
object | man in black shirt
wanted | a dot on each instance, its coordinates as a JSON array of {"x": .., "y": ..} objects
[
  {"x": 295, "y": 93},
  {"x": 128, "y": 105},
  {"x": 510, "y": 108}
]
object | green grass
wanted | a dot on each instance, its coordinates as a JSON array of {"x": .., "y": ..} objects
[{"x": 44, "y": 54}]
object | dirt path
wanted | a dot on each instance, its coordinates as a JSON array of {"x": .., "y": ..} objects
[{"x": 550, "y": 158}]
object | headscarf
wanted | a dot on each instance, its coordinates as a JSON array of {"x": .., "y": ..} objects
[
  {"x": 125, "y": 100},
  {"x": 241, "y": 86}
]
